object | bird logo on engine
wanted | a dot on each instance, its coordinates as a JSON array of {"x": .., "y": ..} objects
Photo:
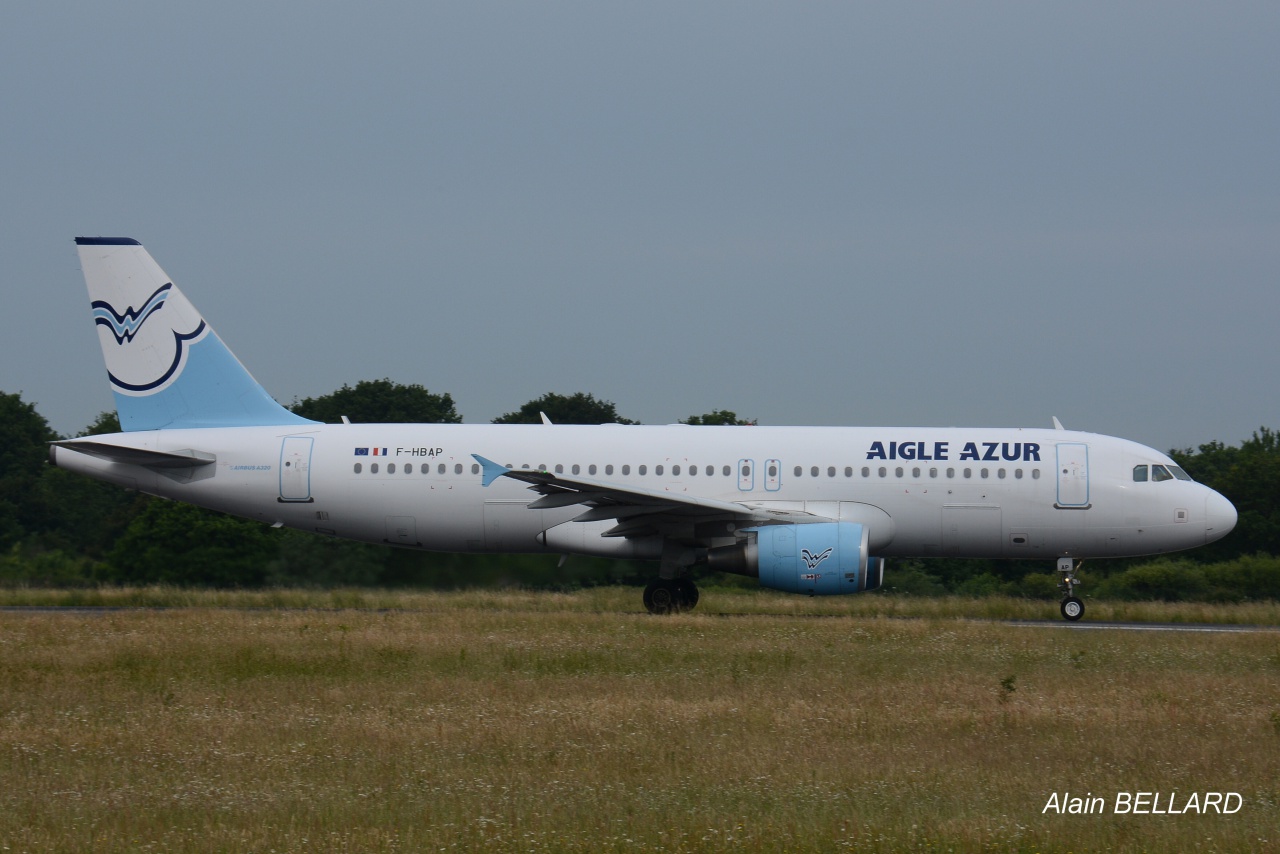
[{"x": 812, "y": 560}]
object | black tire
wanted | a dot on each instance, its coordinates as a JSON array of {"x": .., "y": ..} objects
[
  {"x": 1072, "y": 609},
  {"x": 688, "y": 592},
  {"x": 662, "y": 596}
]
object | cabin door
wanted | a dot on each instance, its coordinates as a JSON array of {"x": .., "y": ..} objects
[
  {"x": 1073, "y": 476},
  {"x": 295, "y": 469}
]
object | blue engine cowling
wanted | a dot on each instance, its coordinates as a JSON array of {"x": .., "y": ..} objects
[{"x": 821, "y": 559}]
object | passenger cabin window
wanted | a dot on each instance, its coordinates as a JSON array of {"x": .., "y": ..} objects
[
  {"x": 1159, "y": 473},
  {"x": 1139, "y": 474}
]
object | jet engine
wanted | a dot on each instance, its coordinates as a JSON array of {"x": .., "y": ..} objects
[{"x": 821, "y": 559}]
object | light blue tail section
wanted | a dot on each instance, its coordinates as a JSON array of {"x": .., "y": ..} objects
[
  {"x": 212, "y": 390},
  {"x": 168, "y": 368}
]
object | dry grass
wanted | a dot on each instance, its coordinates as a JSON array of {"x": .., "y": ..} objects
[
  {"x": 723, "y": 601},
  {"x": 535, "y": 722}
]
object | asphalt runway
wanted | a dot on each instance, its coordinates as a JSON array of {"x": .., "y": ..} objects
[{"x": 1138, "y": 627}]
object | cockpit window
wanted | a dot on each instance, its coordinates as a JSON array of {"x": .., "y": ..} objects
[{"x": 1159, "y": 473}]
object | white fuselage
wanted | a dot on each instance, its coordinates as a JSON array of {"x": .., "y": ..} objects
[{"x": 962, "y": 492}]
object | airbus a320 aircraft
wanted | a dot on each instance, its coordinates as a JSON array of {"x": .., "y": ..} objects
[{"x": 804, "y": 509}]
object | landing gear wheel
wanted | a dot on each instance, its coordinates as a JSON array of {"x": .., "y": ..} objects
[
  {"x": 688, "y": 592},
  {"x": 662, "y": 596},
  {"x": 1072, "y": 609}
]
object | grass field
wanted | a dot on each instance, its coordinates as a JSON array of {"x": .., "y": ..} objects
[{"x": 572, "y": 722}]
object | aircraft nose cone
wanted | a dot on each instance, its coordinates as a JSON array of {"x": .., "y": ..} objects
[{"x": 1220, "y": 517}]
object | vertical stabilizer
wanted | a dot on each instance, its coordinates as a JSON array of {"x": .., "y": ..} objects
[{"x": 168, "y": 368}]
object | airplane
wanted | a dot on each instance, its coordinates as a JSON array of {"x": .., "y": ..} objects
[{"x": 810, "y": 510}]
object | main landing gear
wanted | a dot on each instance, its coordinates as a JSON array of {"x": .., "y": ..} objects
[
  {"x": 1072, "y": 608},
  {"x": 670, "y": 595},
  {"x": 672, "y": 591}
]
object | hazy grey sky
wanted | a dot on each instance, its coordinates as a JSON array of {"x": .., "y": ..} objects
[{"x": 836, "y": 213}]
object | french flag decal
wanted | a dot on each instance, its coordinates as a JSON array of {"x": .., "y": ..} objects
[{"x": 379, "y": 452}]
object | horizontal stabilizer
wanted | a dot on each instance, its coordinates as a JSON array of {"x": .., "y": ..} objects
[{"x": 139, "y": 456}]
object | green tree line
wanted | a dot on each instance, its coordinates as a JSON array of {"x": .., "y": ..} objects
[{"x": 62, "y": 529}]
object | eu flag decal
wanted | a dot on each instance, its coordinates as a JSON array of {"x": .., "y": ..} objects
[{"x": 362, "y": 452}]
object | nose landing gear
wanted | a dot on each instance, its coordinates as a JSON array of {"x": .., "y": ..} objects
[{"x": 1072, "y": 608}]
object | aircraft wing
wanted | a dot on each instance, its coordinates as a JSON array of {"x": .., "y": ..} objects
[{"x": 638, "y": 511}]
